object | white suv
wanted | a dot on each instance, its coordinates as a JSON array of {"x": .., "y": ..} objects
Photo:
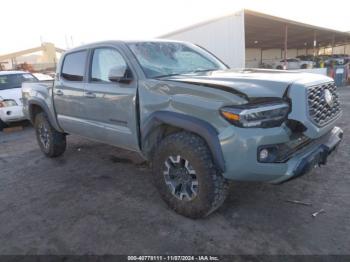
[{"x": 11, "y": 95}]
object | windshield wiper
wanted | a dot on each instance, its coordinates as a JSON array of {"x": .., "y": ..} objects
[
  {"x": 187, "y": 73},
  {"x": 204, "y": 70},
  {"x": 161, "y": 76}
]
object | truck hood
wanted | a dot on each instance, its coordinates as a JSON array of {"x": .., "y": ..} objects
[
  {"x": 13, "y": 93},
  {"x": 250, "y": 83}
]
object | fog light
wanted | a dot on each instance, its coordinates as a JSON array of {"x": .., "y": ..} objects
[{"x": 264, "y": 154}]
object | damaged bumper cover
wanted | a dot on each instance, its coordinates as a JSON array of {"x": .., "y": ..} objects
[
  {"x": 318, "y": 156},
  {"x": 240, "y": 153}
]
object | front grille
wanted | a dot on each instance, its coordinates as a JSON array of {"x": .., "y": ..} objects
[{"x": 320, "y": 111}]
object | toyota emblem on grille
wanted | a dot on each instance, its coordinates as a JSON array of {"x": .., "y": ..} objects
[{"x": 328, "y": 97}]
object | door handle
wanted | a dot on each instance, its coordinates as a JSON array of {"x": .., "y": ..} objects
[
  {"x": 59, "y": 92},
  {"x": 90, "y": 94}
]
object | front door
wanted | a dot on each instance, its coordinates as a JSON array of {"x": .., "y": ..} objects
[{"x": 110, "y": 107}]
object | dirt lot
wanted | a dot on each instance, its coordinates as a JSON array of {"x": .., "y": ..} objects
[{"x": 97, "y": 199}]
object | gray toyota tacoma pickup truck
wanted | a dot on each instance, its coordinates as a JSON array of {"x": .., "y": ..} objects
[{"x": 199, "y": 123}]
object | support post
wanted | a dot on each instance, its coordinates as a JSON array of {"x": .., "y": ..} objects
[
  {"x": 285, "y": 45},
  {"x": 346, "y": 40},
  {"x": 315, "y": 44}
]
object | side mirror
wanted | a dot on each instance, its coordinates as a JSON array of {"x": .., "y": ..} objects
[{"x": 120, "y": 74}]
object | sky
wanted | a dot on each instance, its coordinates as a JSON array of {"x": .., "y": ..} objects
[{"x": 68, "y": 23}]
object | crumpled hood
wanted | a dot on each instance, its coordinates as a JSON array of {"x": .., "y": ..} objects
[
  {"x": 13, "y": 93},
  {"x": 251, "y": 82}
]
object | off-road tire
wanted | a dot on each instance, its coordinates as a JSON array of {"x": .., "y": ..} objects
[
  {"x": 2, "y": 125},
  {"x": 212, "y": 186},
  {"x": 56, "y": 140}
]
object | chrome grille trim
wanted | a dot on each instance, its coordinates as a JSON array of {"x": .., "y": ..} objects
[{"x": 320, "y": 112}]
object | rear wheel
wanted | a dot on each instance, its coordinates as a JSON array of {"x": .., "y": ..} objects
[
  {"x": 52, "y": 143},
  {"x": 186, "y": 177}
]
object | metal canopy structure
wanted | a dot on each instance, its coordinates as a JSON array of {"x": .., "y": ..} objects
[
  {"x": 267, "y": 32},
  {"x": 48, "y": 53},
  {"x": 29, "y": 51}
]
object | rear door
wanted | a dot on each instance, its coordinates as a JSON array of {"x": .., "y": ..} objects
[
  {"x": 69, "y": 92},
  {"x": 110, "y": 107}
]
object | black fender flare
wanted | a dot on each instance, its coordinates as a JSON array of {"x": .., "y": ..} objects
[
  {"x": 188, "y": 123},
  {"x": 45, "y": 108}
]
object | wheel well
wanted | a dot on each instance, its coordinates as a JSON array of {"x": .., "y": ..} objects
[
  {"x": 33, "y": 111},
  {"x": 163, "y": 123},
  {"x": 159, "y": 133},
  {"x": 155, "y": 136}
]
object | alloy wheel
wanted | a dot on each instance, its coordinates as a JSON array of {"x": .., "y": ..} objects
[
  {"x": 180, "y": 178},
  {"x": 44, "y": 135}
]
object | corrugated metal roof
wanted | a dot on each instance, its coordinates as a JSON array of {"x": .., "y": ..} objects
[{"x": 267, "y": 31}]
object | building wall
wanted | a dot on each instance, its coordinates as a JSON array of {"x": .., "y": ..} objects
[
  {"x": 303, "y": 51},
  {"x": 252, "y": 57},
  {"x": 345, "y": 49},
  {"x": 223, "y": 37},
  {"x": 292, "y": 53},
  {"x": 6, "y": 64},
  {"x": 268, "y": 56}
]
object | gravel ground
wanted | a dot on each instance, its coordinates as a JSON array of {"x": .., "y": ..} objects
[{"x": 97, "y": 199}]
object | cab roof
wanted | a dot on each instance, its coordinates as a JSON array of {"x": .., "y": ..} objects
[{"x": 111, "y": 42}]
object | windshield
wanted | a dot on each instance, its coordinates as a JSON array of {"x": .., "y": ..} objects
[
  {"x": 15, "y": 80},
  {"x": 159, "y": 59}
]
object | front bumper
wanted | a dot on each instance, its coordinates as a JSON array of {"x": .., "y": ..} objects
[
  {"x": 240, "y": 147},
  {"x": 322, "y": 148},
  {"x": 11, "y": 114}
]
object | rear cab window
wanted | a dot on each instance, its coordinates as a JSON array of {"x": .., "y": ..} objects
[{"x": 73, "y": 67}]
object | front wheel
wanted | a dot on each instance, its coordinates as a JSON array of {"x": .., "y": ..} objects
[
  {"x": 52, "y": 143},
  {"x": 186, "y": 177},
  {"x": 2, "y": 125}
]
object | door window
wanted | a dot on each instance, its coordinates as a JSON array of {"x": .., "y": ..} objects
[
  {"x": 74, "y": 66},
  {"x": 103, "y": 60}
]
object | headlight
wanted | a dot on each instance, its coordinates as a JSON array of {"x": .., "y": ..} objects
[
  {"x": 7, "y": 103},
  {"x": 256, "y": 115}
]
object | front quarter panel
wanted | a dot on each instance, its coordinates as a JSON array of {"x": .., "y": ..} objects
[{"x": 198, "y": 101}]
